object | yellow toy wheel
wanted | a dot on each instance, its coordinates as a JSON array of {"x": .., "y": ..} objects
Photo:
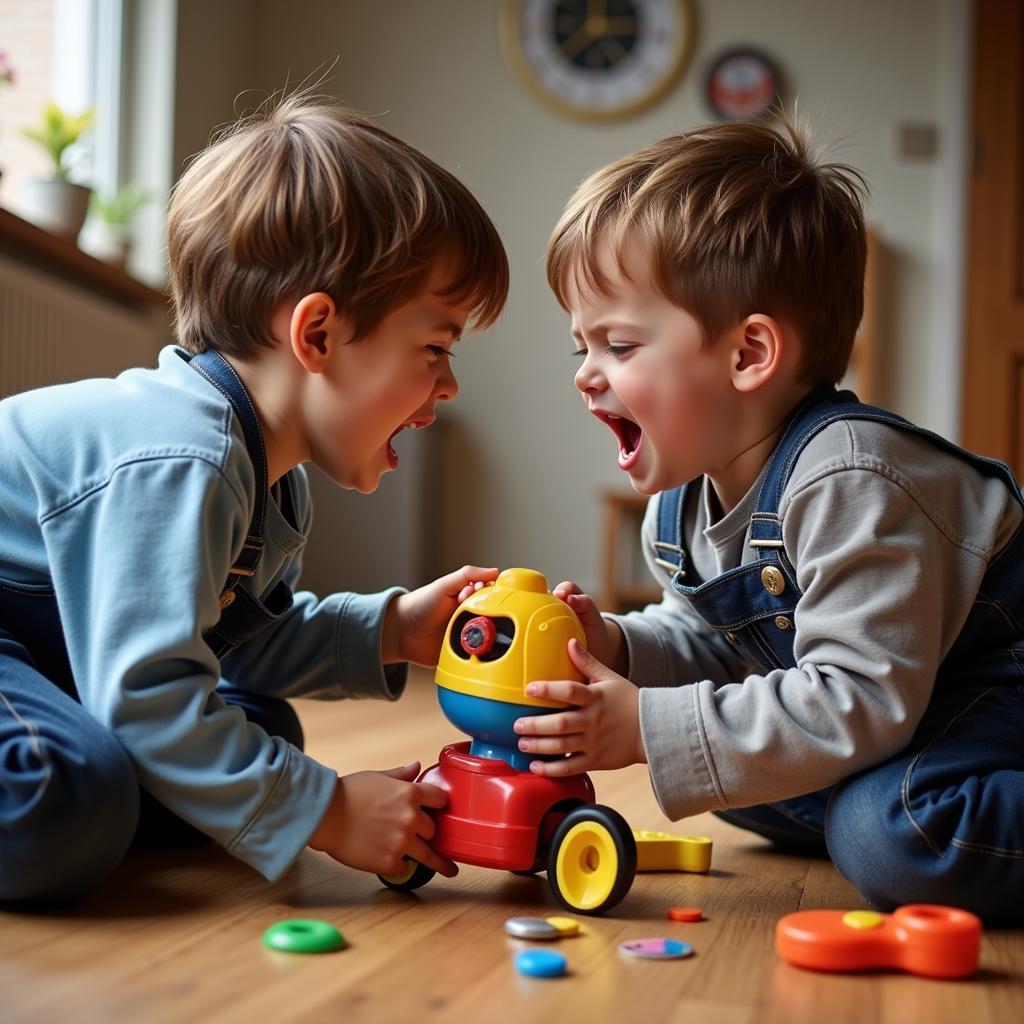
[
  {"x": 592, "y": 860},
  {"x": 415, "y": 876}
]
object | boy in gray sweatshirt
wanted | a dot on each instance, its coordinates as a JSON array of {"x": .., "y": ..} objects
[{"x": 838, "y": 658}]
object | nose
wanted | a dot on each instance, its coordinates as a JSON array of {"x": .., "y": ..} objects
[
  {"x": 447, "y": 387},
  {"x": 588, "y": 378}
]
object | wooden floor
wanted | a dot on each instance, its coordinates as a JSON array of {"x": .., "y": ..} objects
[{"x": 175, "y": 936}]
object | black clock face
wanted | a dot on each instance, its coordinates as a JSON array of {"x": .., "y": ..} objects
[
  {"x": 597, "y": 36},
  {"x": 598, "y": 59}
]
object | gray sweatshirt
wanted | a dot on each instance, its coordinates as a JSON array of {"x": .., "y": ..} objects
[{"x": 890, "y": 537}]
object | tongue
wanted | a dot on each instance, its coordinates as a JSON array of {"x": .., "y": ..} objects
[{"x": 630, "y": 436}]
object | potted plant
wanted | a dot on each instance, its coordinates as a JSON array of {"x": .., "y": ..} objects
[
  {"x": 54, "y": 203},
  {"x": 108, "y": 236}
]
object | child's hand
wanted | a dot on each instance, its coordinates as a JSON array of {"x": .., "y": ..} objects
[
  {"x": 415, "y": 622},
  {"x": 601, "y": 731},
  {"x": 604, "y": 639},
  {"x": 378, "y": 818}
]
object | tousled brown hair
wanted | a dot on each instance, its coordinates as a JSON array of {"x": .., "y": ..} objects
[
  {"x": 736, "y": 218},
  {"x": 307, "y": 196}
]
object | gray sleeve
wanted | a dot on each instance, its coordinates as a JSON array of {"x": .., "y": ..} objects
[
  {"x": 887, "y": 584},
  {"x": 668, "y": 643}
]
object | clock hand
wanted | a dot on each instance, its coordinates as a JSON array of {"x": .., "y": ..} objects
[{"x": 581, "y": 38}]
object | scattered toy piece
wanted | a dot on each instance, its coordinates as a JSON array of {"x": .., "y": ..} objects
[
  {"x": 531, "y": 928},
  {"x": 656, "y": 949},
  {"x": 303, "y": 935},
  {"x": 662, "y": 851},
  {"x": 540, "y": 963},
  {"x": 685, "y": 914},
  {"x": 920, "y": 938},
  {"x": 566, "y": 926}
]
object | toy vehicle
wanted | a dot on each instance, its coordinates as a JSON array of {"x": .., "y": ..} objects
[{"x": 499, "y": 814}]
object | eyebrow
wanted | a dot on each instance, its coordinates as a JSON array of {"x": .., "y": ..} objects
[
  {"x": 449, "y": 327},
  {"x": 608, "y": 325}
]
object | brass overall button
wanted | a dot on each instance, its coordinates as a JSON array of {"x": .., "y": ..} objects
[
  {"x": 227, "y": 599},
  {"x": 782, "y": 622},
  {"x": 773, "y": 580}
]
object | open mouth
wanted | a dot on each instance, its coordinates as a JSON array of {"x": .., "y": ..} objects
[
  {"x": 419, "y": 424},
  {"x": 628, "y": 433}
]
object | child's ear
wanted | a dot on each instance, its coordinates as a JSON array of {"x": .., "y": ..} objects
[
  {"x": 315, "y": 330},
  {"x": 757, "y": 352}
]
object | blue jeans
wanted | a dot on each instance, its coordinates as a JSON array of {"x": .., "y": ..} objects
[
  {"x": 942, "y": 822},
  {"x": 70, "y": 801}
]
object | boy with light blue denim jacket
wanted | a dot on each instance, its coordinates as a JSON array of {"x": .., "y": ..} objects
[{"x": 152, "y": 526}]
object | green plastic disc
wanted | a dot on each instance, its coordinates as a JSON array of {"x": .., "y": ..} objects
[{"x": 303, "y": 935}]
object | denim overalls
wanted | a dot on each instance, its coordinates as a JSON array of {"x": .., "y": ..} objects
[
  {"x": 943, "y": 821},
  {"x": 83, "y": 785}
]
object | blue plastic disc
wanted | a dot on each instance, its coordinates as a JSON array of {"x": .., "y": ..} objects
[{"x": 540, "y": 963}]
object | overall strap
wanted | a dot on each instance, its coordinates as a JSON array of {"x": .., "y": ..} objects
[
  {"x": 669, "y": 550},
  {"x": 819, "y": 409},
  {"x": 221, "y": 374}
]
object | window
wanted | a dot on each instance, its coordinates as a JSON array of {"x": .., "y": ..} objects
[{"x": 112, "y": 56}]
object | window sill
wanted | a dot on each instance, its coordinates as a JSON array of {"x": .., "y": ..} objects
[{"x": 32, "y": 245}]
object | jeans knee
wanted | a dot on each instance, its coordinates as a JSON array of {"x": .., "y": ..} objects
[
  {"x": 67, "y": 817},
  {"x": 881, "y": 850}
]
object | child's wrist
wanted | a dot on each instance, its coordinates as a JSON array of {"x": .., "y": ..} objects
[
  {"x": 391, "y": 633},
  {"x": 619, "y": 660}
]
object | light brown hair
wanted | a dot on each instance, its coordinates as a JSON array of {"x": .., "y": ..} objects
[
  {"x": 307, "y": 196},
  {"x": 737, "y": 218}
]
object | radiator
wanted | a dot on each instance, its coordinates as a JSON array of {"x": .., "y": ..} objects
[{"x": 52, "y": 331}]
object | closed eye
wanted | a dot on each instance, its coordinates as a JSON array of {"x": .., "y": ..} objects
[
  {"x": 440, "y": 350},
  {"x": 618, "y": 351}
]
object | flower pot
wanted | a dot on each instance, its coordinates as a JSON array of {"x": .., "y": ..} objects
[
  {"x": 110, "y": 243},
  {"x": 55, "y": 205}
]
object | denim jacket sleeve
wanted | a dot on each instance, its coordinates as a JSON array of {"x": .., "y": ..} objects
[
  {"x": 327, "y": 649},
  {"x": 134, "y": 633}
]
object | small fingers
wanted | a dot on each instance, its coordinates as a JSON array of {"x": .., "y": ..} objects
[
  {"x": 468, "y": 576},
  {"x": 565, "y": 690},
  {"x": 431, "y": 796},
  {"x": 421, "y": 851},
  {"x": 565, "y": 590},
  {"x": 563, "y": 724},
  {"x": 425, "y": 826},
  {"x": 560, "y": 768},
  {"x": 570, "y": 744}
]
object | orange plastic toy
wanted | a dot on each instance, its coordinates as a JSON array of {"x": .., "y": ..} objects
[{"x": 922, "y": 938}]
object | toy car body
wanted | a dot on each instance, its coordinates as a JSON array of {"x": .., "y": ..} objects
[{"x": 499, "y": 814}]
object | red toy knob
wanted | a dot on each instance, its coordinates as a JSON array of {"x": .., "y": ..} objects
[{"x": 478, "y": 636}]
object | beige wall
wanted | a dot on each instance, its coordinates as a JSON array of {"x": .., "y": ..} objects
[{"x": 524, "y": 463}]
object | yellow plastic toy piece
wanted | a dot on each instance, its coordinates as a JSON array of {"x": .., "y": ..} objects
[
  {"x": 862, "y": 920},
  {"x": 587, "y": 865},
  {"x": 566, "y": 926},
  {"x": 662, "y": 851},
  {"x": 539, "y": 649}
]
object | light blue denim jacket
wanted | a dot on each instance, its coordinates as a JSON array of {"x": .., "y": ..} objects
[{"x": 131, "y": 498}]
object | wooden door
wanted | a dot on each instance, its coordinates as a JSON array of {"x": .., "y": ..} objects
[{"x": 994, "y": 358}]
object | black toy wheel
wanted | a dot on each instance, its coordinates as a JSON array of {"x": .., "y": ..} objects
[
  {"x": 414, "y": 878},
  {"x": 592, "y": 861}
]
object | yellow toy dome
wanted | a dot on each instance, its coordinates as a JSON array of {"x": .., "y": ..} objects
[{"x": 506, "y": 635}]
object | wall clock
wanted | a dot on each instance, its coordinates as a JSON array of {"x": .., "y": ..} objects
[
  {"x": 743, "y": 85},
  {"x": 598, "y": 59}
]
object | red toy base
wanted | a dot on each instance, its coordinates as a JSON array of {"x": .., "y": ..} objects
[{"x": 496, "y": 816}]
